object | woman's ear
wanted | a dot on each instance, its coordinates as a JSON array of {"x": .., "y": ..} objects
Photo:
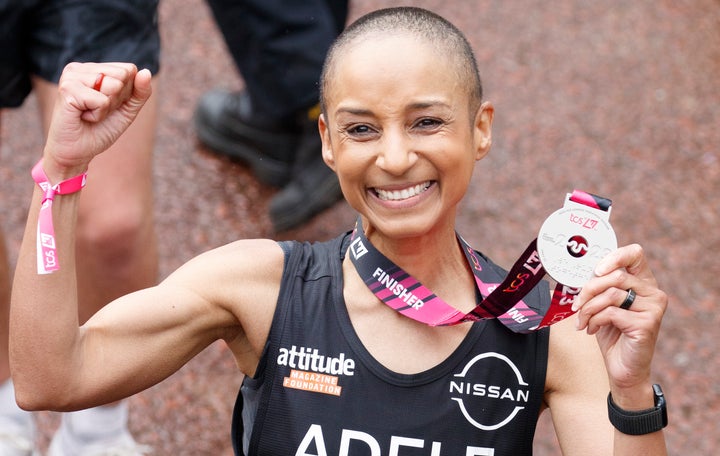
[
  {"x": 327, "y": 151},
  {"x": 483, "y": 129}
]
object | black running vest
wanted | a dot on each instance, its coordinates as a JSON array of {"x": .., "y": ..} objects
[{"x": 319, "y": 392}]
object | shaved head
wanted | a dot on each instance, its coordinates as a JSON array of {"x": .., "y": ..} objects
[{"x": 435, "y": 31}]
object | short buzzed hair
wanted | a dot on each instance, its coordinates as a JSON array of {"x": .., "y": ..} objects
[{"x": 431, "y": 27}]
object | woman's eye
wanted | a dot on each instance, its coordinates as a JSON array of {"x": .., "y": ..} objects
[
  {"x": 358, "y": 130},
  {"x": 428, "y": 123}
]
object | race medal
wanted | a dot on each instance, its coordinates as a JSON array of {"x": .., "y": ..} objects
[{"x": 575, "y": 238}]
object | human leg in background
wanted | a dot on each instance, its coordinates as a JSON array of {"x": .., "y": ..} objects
[
  {"x": 17, "y": 429},
  {"x": 279, "y": 47},
  {"x": 115, "y": 238}
]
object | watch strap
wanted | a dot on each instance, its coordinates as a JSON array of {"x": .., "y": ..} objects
[{"x": 639, "y": 422}]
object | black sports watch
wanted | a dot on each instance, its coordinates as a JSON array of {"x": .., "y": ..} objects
[{"x": 639, "y": 422}]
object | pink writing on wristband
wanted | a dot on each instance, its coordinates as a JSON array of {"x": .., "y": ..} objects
[{"x": 47, "y": 261}]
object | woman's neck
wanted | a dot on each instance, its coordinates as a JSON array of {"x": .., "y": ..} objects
[{"x": 435, "y": 259}]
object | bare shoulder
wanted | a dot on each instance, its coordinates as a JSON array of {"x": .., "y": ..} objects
[
  {"x": 254, "y": 263},
  {"x": 241, "y": 278}
]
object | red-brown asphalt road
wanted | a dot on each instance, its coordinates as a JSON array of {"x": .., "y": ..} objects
[{"x": 618, "y": 98}]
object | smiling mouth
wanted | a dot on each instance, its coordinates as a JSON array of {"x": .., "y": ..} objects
[{"x": 399, "y": 195}]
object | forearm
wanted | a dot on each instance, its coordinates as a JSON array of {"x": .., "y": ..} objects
[
  {"x": 640, "y": 445},
  {"x": 577, "y": 391},
  {"x": 44, "y": 333},
  {"x": 51, "y": 361}
]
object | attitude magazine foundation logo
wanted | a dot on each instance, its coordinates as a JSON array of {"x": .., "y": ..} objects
[{"x": 311, "y": 371}]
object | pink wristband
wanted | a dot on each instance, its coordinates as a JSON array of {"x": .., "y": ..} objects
[{"x": 47, "y": 261}]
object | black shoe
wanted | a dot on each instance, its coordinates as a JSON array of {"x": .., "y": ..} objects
[
  {"x": 224, "y": 121},
  {"x": 313, "y": 188}
]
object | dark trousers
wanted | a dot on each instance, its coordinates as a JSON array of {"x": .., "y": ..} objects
[{"x": 279, "y": 47}]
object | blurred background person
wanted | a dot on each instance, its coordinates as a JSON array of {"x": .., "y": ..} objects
[
  {"x": 116, "y": 246},
  {"x": 278, "y": 47}
]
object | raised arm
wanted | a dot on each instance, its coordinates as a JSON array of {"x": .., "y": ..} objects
[
  {"x": 582, "y": 372},
  {"x": 139, "y": 339}
]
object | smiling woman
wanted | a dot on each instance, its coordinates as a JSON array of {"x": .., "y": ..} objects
[
  {"x": 403, "y": 125},
  {"x": 404, "y": 146}
]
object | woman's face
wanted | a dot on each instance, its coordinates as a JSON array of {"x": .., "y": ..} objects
[{"x": 400, "y": 134}]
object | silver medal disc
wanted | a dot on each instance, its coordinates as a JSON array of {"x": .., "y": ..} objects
[{"x": 573, "y": 240}]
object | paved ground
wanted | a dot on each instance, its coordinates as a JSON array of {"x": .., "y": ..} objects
[{"x": 618, "y": 98}]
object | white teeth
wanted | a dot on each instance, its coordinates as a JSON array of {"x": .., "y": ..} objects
[{"x": 396, "y": 195}]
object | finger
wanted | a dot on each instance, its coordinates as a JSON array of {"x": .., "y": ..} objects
[
  {"x": 609, "y": 297},
  {"x": 652, "y": 301},
  {"x": 128, "y": 99},
  {"x": 629, "y": 299},
  {"x": 619, "y": 279},
  {"x": 97, "y": 85},
  {"x": 93, "y": 74},
  {"x": 77, "y": 99},
  {"x": 142, "y": 88},
  {"x": 619, "y": 319},
  {"x": 139, "y": 90},
  {"x": 114, "y": 82},
  {"x": 646, "y": 321},
  {"x": 630, "y": 257},
  {"x": 116, "y": 89},
  {"x": 116, "y": 79}
]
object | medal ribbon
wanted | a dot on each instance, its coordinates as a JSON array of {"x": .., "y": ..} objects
[
  {"x": 590, "y": 200},
  {"x": 402, "y": 292}
]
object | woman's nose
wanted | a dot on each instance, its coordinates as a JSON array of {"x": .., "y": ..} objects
[{"x": 396, "y": 154}]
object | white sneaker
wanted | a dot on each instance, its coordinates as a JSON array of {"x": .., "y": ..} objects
[
  {"x": 121, "y": 445},
  {"x": 16, "y": 440}
]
